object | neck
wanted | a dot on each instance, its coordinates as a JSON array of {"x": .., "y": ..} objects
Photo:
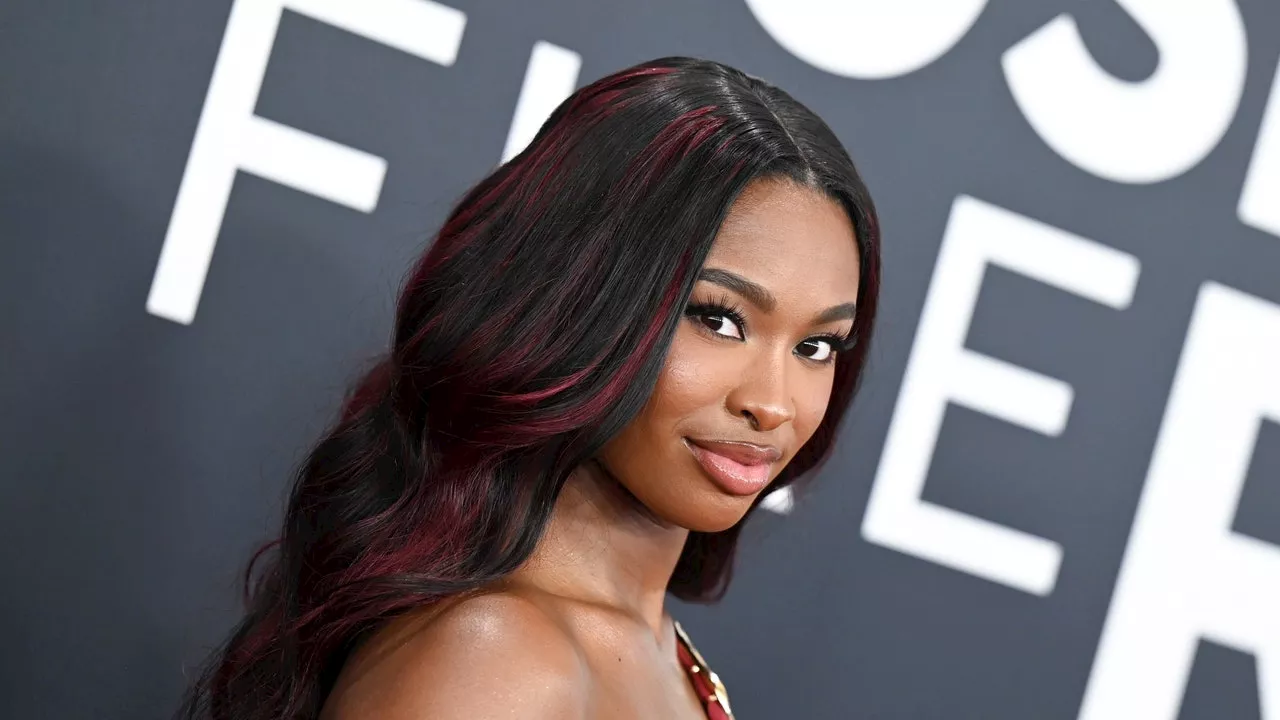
[{"x": 603, "y": 546}]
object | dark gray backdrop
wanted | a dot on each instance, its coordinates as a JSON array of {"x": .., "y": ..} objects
[{"x": 142, "y": 459}]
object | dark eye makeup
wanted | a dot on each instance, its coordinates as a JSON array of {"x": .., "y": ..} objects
[{"x": 722, "y": 309}]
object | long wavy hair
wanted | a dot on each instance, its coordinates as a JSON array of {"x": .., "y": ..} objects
[{"x": 529, "y": 334}]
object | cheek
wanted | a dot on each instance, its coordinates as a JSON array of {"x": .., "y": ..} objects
[
  {"x": 811, "y": 404},
  {"x": 692, "y": 377},
  {"x": 685, "y": 387}
]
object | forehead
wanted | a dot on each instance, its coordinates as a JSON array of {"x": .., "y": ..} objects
[{"x": 791, "y": 239}]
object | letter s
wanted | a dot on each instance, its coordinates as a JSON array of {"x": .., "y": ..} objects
[{"x": 1141, "y": 132}]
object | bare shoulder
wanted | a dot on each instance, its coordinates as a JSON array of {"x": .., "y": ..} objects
[{"x": 493, "y": 655}]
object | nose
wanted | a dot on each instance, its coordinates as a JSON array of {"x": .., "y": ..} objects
[{"x": 763, "y": 395}]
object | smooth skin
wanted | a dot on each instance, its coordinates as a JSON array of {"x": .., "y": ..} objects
[{"x": 580, "y": 632}]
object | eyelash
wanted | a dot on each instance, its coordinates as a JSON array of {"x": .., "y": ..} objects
[{"x": 724, "y": 307}]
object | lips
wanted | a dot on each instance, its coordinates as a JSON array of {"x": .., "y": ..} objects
[{"x": 739, "y": 468}]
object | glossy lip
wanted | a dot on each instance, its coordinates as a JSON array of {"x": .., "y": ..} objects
[{"x": 739, "y": 468}]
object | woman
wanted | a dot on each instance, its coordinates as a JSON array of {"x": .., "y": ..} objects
[{"x": 619, "y": 342}]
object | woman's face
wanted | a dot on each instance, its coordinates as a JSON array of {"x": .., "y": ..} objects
[{"x": 749, "y": 373}]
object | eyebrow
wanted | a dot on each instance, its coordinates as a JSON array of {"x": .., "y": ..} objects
[{"x": 760, "y": 297}]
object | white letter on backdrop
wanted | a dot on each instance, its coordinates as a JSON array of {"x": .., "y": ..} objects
[
  {"x": 1141, "y": 132},
  {"x": 940, "y": 370},
  {"x": 869, "y": 39},
  {"x": 550, "y": 78},
  {"x": 1260, "y": 200},
  {"x": 230, "y": 137},
  {"x": 1185, "y": 574}
]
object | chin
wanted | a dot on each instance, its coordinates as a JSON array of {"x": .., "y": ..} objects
[
  {"x": 713, "y": 516},
  {"x": 710, "y": 528}
]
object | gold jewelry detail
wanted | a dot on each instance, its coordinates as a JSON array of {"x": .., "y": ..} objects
[{"x": 721, "y": 695}]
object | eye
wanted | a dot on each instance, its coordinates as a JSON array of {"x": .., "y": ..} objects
[
  {"x": 821, "y": 349},
  {"x": 722, "y": 324},
  {"x": 816, "y": 350},
  {"x": 719, "y": 319}
]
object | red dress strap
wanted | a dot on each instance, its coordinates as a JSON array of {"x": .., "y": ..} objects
[{"x": 715, "y": 700}]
